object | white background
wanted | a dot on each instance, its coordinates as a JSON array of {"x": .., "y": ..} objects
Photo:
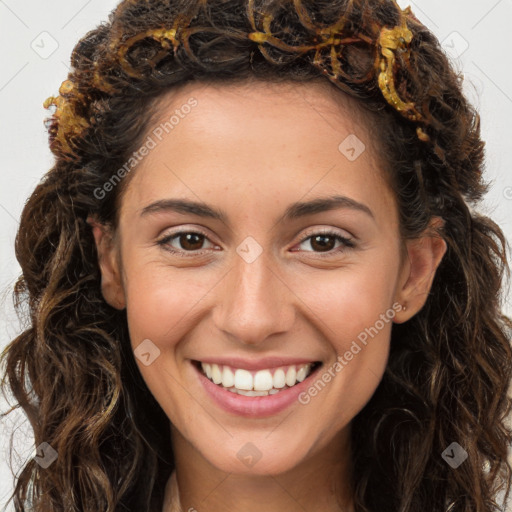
[{"x": 37, "y": 38}]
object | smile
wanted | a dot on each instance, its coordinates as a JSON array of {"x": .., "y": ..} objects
[{"x": 257, "y": 383}]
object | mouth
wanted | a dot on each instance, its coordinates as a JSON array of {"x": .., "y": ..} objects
[{"x": 265, "y": 382}]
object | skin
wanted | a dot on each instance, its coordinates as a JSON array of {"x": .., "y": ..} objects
[{"x": 252, "y": 150}]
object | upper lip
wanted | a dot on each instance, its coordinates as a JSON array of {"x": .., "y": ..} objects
[{"x": 257, "y": 364}]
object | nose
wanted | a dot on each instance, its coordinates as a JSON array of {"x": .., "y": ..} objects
[{"x": 254, "y": 302}]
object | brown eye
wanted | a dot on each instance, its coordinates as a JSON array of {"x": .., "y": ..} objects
[
  {"x": 326, "y": 243},
  {"x": 184, "y": 241},
  {"x": 322, "y": 242},
  {"x": 190, "y": 241}
]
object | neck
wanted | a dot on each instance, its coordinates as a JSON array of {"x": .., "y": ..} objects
[{"x": 320, "y": 483}]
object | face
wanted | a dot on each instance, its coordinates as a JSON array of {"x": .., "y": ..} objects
[{"x": 255, "y": 286}]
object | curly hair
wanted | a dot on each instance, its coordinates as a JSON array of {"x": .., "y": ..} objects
[{"x": 72, "y": 371}]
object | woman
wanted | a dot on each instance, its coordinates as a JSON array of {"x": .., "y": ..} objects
[{"x": 256, "y": 274}]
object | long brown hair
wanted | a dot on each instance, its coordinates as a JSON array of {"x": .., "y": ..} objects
[{"x": 72, "y": 371}]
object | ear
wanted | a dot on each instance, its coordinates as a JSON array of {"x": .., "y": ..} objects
[
  {"x": 423, "y": 256},
  {"x": 111, "y": 283}
]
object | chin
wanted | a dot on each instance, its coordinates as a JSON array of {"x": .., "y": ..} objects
[{"x": 258, "y": 456}]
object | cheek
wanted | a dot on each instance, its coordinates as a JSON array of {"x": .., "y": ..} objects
[
  {"x": 352, "y": 298},
  {"x": 163, "y": 306},
  {"x": 161, "y": 300},
  {"x": 353, "y": 308}
]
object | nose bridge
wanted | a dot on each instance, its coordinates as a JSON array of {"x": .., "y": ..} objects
[{"x": 254, "y": 301}]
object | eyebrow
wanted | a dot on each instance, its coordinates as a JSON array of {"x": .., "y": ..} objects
[{"x": 294, "y": 211}]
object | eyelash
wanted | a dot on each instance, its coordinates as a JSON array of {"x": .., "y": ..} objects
[{"x": 347, "y": 243}]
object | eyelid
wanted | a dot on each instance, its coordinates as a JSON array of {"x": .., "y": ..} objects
[
  {"x": 164, "y": 239},
  {"x": 327, "y": 231},
  {"x": 347, "y": 242},
  {"x": 309, "y": 232},
  {"x": 185, "y": 229}
]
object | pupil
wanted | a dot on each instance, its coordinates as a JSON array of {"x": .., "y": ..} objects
[
  {"x": 187, "y": 240},
  {"x": 321, "y": 240}
]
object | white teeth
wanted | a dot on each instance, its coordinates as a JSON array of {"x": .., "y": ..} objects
[
  {"x": 252, "y": 393},
  {"x": 290, "y": 376},
  {"x": 301, "y": 374},
  {"x": 228, "y": 379},
  {"x": 262, "y": 383},
  {"x": 216, "y": 374},
  {"x": 243, "y": 380},
  {"x": 279, "y": 379},
  {"x": 208, "y": 370}
]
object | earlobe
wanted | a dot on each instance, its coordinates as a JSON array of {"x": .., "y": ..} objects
[
  {"x": 111, "y": 283},
  {"x": 423, "y": 257}
]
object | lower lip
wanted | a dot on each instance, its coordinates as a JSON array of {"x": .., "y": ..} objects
[{"x": 253, "y": 406}]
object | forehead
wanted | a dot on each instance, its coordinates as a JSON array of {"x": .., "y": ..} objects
[
  {"x": 270, "y": 137},
  {"x": 251, "y": 104}
]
